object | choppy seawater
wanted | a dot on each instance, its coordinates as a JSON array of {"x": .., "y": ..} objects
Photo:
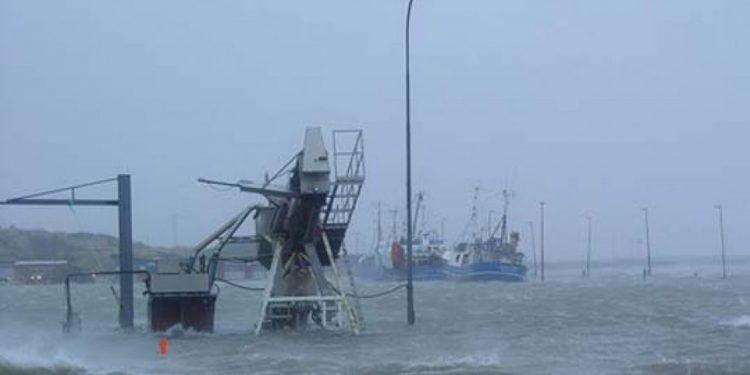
[{"x": 613, "y": 323}]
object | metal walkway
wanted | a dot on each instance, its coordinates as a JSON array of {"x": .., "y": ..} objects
[{"x": 349, "y": 175}]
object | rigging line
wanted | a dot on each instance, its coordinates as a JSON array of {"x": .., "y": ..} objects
[
  {"x": 373, "y": 295},
  {"x": 237, "y": 260},
  {"x": 280, "y": 171},
  {"x": 244, "y": 260},
  {"x": 376, "y": 295},
  {"x": 80, "y": 228},
  {"x": 48, "y": 192},
  {"x": 253, "y": 289}
]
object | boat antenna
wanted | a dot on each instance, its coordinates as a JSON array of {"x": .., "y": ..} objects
[
  {"x": 420, "y": 197},
  {"x": 380, "y": 226},
  {"x": 472, "y": 219},
  {"x": 474, "y": 215},
  {"x": 378, "y": 233},
  {"x": 502, "y": 225},
  {"x": 394, "y": 230}
]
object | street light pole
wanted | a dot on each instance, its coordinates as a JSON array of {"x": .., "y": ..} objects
[
  {"x": 541, "y": 230},
  {"x": 533, "y": 247},
  {"x": 409, "y": 284},
  {"x": 721, "y": 232},
  {"x": 588, "y": 250},
  {"x": 648, "y": 244}
]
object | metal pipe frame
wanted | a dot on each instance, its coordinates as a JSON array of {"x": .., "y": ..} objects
[
  {"x": 67, "y": 326},
  {"x": 230, "y": 227},
  {"x": 125, "y": 231}
]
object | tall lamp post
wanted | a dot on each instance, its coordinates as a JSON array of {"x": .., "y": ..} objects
[
  {"x": 541, "y": 235},
  {"x": 588, "y": 248},
  {"x": 721, "y": 233},
  {"x": 647, "y": 272},
  {"x": 533, "y": 247},
  {"x": 409, "y": 284}
]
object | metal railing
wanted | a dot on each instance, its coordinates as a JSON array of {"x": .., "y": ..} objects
[{"x": 72, "y": 320}]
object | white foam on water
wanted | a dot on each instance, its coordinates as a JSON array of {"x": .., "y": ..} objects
[
  {"x": 741, "y": 322},
  {"x": 35, "y": 352},
  {"x": 29, "y": 348},
  {"x": 456, "y": 363}
]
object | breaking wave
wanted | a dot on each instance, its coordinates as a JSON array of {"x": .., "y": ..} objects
[
  {"x": 677, "y": 368},
  {"x": 461, "y": 365},
  {"x": 741, "y": 322},
  {"x": 31, "y": 369}
]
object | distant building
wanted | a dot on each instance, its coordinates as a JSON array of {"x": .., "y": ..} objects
[
  {"x": 140, "y": 264},
  {"x": 6, "y": 270},
  {"x": 41, "y": 271}
]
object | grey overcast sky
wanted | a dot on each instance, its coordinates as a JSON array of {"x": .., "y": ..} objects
[{"x": 595, "y": 107}]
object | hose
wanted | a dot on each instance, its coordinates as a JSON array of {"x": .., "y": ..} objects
[
  {"x": 253, "y": 289},
  {"x": 376, "y": 295},
  {"x": 360, "y": 296}
]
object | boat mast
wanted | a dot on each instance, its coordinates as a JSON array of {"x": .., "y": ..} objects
[
  {"x": 379, "y": 238},
  {"x": 416, "y": 214},
  {"x": 394, "y": 230},
  {"x": 502, "y": 225},
  {"x": 442, "y": 230},
  {"x": 474, "y": 216}
]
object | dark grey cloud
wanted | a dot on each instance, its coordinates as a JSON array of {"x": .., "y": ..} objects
[{"x": 594, "y": 107}]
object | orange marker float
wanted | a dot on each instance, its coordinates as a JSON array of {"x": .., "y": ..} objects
[{"x": 163, "y": 347}]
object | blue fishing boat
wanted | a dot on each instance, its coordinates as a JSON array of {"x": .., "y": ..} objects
[
  {"x": 387, "y": 261},
  {"x": 488, "y": 271},
  {"x": 486, "y": 261},
  {"x": 494, "y": 258},
  {"x": 428, "y": 262}
]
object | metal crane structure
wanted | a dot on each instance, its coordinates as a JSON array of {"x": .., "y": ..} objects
[
  {"x": 125, "y": 239},
  {"x": 299, "y": 233}
]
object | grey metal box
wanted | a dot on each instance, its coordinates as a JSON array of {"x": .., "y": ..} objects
[{"x": 180, "y": 283}]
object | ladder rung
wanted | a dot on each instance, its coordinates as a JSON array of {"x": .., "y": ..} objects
[
  {"x": 333, "y": 226},
  {"x": 350, "y": 179}
]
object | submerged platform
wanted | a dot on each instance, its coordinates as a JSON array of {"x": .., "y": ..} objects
[
  {"x": 485, "y": 271},
  {"x": 194, "y": 312},
  {"x": 181, "y": 300}
]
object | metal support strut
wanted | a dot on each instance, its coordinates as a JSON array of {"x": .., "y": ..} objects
[
  {"x": 328, "y": 302},
  {"x": 123, "y": 204}
]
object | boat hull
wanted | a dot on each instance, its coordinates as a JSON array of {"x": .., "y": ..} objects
[
  {"x": 485, "y": 271},
  {"x": 419, "y": 273}
]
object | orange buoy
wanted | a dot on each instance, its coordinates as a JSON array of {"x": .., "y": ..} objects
[{"x": 163, "y": 346}]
